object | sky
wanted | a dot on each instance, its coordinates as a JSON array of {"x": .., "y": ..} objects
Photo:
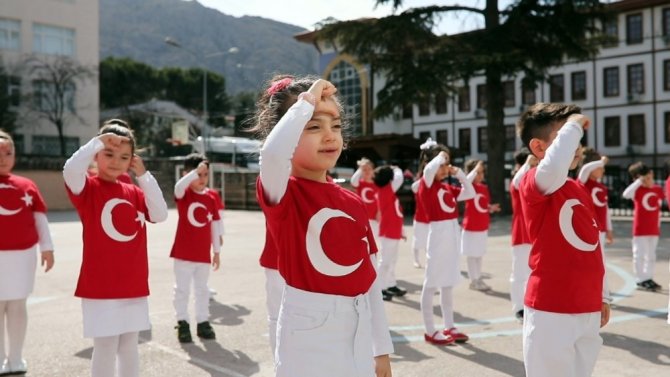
[{"x": 306, "y": 13}]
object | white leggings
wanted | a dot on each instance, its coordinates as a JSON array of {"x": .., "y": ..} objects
[
  {"x": 474, "y": 268},
  {"x": 446, "y": 304},
  {"x": 110, "y": 351},
  {"x": 15, "y": 315}
]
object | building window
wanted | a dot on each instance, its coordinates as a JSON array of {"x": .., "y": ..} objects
[
  {"x": 55, "y": 40},
  {"x": 50, "y": 145},
  {"x": 346, "y": 79},
  {"x": 464, "y": 136},
  {"x": 464, "y": 99},
  {"x": 578, "y": 85},
  {"x": 635, "y": 79},
  {"x": 424, "y": 107},
  {"x": 611, "y": 81},
  {"x": 634, "y": 28},
  {"x": 666, "y": 22},
  {"x": 510, "y": 138},
  {"x": 666, "y": 75},
  {"x": 11, "y": 86},
  {"x": 481, "y": 96},
  {"x": 612, "y": 32},
  {"x": 482, "y": 140},
  {"x": 424, "y": 135},
  {"x": 666, "y": 128},
  {"x": 47, "y": 100},
  {"x": 442, "y": 137},
  {"x": 10, "y": 34},
  {"x": 556, "y": 88},
  {"x": 508, "y": 89},
  {"x": 407, "y": 111},
  {"x": 613, "y": 131},
  {"x": 440, "y": 103},
  {"x": 528, "y": 94},
  {"x": 636, "y": 130}
]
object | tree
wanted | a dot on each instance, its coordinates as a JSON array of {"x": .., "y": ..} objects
[
  {"x": 8, "y": 102},
  {"x": 528, "y": 37},
  {"x": 119, "y": 78},
  {"x": 54, "y": 90}
]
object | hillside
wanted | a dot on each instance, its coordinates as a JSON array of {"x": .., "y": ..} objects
[{"x": 137, "y": 29}]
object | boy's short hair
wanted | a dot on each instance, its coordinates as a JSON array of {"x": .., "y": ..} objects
[
  {"x": 383, "y": 175},
  {"x": 521, "y": 156},
  {"x": 470, "y": 165},
  {"x": 638, "y": 169},
  {"x": 536, "y": 122},
  {"x": 590, "y": 155},
  {"x": 193, "y": 160}
]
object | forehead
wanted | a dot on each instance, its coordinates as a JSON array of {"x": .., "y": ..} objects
[
  {"x": 6, "y": 144},
  {"x": 328, "y": 107},
  {"x": 124, "y": 148}
]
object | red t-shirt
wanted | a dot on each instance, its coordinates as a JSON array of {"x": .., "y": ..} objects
[
  {"x": 368, "y": 193},
  {"x": 269, "y": 255},
  {"x": 646, "y": 216},
  {"x": 391, "y": 219},
  {"x": 323, "y": 236},
  {"x": 439, "y": 200},
  {"x": 193, "y": 239},
  {"x": 598, "y": 193},
  {"x": 519, "y": 231},
  {"x": 477, "y": 216},
  {"x": 565, "y": 258},
  {"x": 114, "y": 263},
  {"x": 19, "y": 200}
]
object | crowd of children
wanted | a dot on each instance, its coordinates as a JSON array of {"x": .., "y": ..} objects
[{"x": 325, "y": 285}]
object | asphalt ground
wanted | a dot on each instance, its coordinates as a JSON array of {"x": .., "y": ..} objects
[{"x": 636, "y": 342}]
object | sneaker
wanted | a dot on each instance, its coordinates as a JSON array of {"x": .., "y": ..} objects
[
  {"x": 645, "y": 285},
  {"x": 4, "y": 367},
  {"x": 473, "y": 285},
  {"x": 519, "y": 316},
  {"x": 396, "y": 291},
  {"x": 482, "y": 286},
  {"x": 183, "y": 332},
  {"x": 386, "y": 295},
  {"x": 417, "y": 264},
  {"x": 438, "y": 339},
  {"x": 654, "y": 285},
  {"x": 205, "y": 330},
  {"x": 458, "y": 336},
  {"x": 7, "y": 368}
]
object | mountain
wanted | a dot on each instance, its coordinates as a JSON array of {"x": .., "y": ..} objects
[{"x": 137, "y": 29}]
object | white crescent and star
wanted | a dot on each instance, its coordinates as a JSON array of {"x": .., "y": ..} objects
[
  {"x": 190, "y": 214},
  {"x": 445, "y": 207},
  {"x": 646, "y": 204},
  {"x": 596, "y": 200},
  {"x": 27, "y": 199},
  {"x": 108, "y": 224},
  {"x": 568, "y": 231},
  {"x": 478, "y": 205},
  {"x": 315, "y": 252},
  {"x": 364, "y": 195}
]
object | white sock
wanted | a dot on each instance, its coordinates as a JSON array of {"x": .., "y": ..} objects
[
  {"x": 103, "y": 362},
  {"x": 3, "y": 315},
  {"x": 128, "y": 355},
  {"x": 427, "y": 294},
  {"x": 447, "y": 304},
  {"x": 17, "y": 324}
]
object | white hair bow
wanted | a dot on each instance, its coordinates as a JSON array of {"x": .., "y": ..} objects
[{"x": 428, "y": 144}]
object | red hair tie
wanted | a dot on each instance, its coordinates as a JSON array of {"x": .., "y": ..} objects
[{"x": 279, "y": 85}]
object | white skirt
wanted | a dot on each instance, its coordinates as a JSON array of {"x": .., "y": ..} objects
[
  {"x": 114, "y": 316},
  {"x": 473, "y": 244},
  {"x": 17, "y": 273},
  {"x": 443, "y": 255},
  {"x": 420, "y": 238}
]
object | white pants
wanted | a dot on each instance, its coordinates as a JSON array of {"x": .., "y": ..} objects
[
  {"x": 519, "y": 276},
  {"x": 374, "y": 226},
  {"x": 644, "y": 257},
  {"x": 15, "y": 314},
  {"x": 324, "y": 335},
  {"x": 184, "y": 273},
  {"x": 603, "y": 242},
  {"x": 389, "y": 258},
  {"x": 419, "y": 240},
  {"x": 274, "y": 290},
  {"x": 560, "y": 345}
]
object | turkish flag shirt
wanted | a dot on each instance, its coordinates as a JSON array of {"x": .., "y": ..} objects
[
  {"x": 193, "y": 239},
  {"x": 477, "y": 216},
  {"x": 368, "y": 193},
  {"x": 323, "y": 237},
  {"x": 646, "y": 216},
  {"x": 519, "y": 231},
  {"x": 391, "y": 218},
  {"x": 269, "y": 255},
  {"x": 19, "y": 199},
  {"x": 565, "y": 258},
  {"x": 439, "y": 200},
  {"x": 598, "y": 193},
  {"x": 114, "y": 263}
]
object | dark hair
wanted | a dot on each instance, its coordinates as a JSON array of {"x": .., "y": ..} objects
[
  {"x": 590, "y": 155},
  {"x": 193, "y": 160},
  {"x": 470, "y": 165},
  {"x": 280, "y": 93},
  {"x": 121, "y": 128},
  {"x": 638, "y": 169},
  {"x": 383, "y": 175},
  {"x": 521, "y": 156},
  {"x": 428, "y": 154},
  {"x": 537, "y": 121}
]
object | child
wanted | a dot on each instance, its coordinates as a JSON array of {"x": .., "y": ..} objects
[
  {"x": 442, "y": 263},
  {"x": 420, "y": 221},
  {"x": 23, "y": 216},
  {"x": 198, "y": 232},
  {"x": 388, "y": 180},
  {"x": 113, "y": 281},
  {"x": 647, "y": 197},
  {"x": 332, "y": 320},
  {"x": 589, "y": 176},
  {"x": 521, "y": 244},
  {"x": 476, "y": 224},
  {"x": 362, "y": 181},
  {"x": 565, "y": 304}
]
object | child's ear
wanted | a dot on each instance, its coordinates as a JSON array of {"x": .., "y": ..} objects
[{"x": 538, "y": 147}]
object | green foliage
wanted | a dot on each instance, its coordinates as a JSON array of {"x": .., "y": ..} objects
[{"x": 7, "y": 113}]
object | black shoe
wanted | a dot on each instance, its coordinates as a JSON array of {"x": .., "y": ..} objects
[
  {"x": 654, "y": 285},
  {"x": 396, "y": 291},
  {"x": 646, "y": 285},
  {"x": 386, "y": 295},
  {"x": 519, "y": 315},
  {"x": 205, "y": 330},
  {"x": 183, "y": 332}
]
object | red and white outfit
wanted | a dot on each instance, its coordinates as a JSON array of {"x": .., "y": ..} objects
[
  {"x": 667, "y": 198},
  {"x": 198, "y": 233},
  {"x": 565, "y": 289},
  {"x": 332, "y": 320},
  {"x": 520, "y": 243},
  {"x": 646, "y": 227},
  {"x": 443, "y": 252},
  {"x": 113, "y": 280},
  {"x": 476, "y": 222},
  {"x": 368, "y": 193},
  {"x": 419, "y": 225},
  {"x": 390, "y": 228},
  {"x": 23, "y": 216}
]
